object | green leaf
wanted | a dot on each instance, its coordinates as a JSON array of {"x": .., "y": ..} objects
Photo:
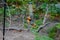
[
  {"x": 43, "y": 6},
  {"x": 1, "y": 10},
  {"x": 43, "y": 38},
  {"x": 46, "y": 1},
  {"x": 58, "y": 26}
]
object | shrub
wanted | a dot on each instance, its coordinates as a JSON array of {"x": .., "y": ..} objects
[
  {"x": 58, "y": 26},
  {"x": 52, "y": 32}
]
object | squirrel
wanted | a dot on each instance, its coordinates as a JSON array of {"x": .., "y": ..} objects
[{"x": 29, "y": 21}]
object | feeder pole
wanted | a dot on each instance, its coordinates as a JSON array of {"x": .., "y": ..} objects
[{"x": 4, "y": 19}]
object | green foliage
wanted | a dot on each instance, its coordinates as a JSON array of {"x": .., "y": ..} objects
[
  {"x": 1, "y": 10},
  {"x": 52, "y": 35},
  {"x": 38, "y": 22},
  {"x": 58, "y": 26},
  {"x": 7, "y": 24},
  {"x": 39, "y": 37},
  {"x": 25, "y": 25},
  {"x": 10, "y": 12},
  {"x": 23, "y": 6},
  {"x": 52, "y": 32},
  {"x": 1, "y": 14},
  {"x": 42, "y": 38},
  {"x": 52, "y": 16},
  {"x": 51, "y": 8},
  {"x": 46, "y": 0},
  {"x": 36, "y": 16},
  {"x": 43, "y": 6},
  {"x": 15, "y": 11}
]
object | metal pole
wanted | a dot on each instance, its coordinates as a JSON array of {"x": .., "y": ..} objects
[{"x": 4, "y": 19}]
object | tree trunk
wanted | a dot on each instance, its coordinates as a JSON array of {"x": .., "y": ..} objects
[
  {"x": 30, "y": 14},
  {"x": 30, "y": 10}
]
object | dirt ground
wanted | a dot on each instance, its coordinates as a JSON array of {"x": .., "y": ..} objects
[
  {"x": 1, "y": 35},
  {"x": 24, "y": 35},
  {"x": 14, "y": 35}
]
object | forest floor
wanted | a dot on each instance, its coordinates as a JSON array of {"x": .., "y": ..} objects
[
  {"x": 14, "y": 35},
  {"x": 24, "y": 35},
  {"x": 1, "y": 35},
  {"x": 45, "y": 30},
  {"x": 1, "y": 31}
]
